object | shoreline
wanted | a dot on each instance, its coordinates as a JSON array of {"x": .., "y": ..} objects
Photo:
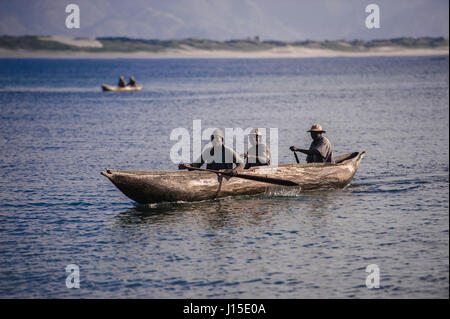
[{"x": 286, "y": 52}]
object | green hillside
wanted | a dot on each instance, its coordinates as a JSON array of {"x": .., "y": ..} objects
[{"x": 121, "y": 44}]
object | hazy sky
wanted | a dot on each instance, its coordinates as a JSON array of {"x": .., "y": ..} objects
[{"x": 227, "y": 19}]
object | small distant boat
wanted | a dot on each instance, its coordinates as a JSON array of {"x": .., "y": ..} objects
[
  {"x": 170, "y": 186},
  {"x": 128, "y": 88}
]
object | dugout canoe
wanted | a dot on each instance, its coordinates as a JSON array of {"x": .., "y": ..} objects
[
  {"x": 109, "y": 88},
  {"x": 171, "y": 186}
]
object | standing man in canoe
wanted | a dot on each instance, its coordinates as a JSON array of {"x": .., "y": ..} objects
[
  {"x": 218, "y": 156},
  {"x": 320, "y": 150},
  {"x": 258, "y": 154}
]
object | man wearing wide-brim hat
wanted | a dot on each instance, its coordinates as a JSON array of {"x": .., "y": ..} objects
[{"x": 320, "y": 150}]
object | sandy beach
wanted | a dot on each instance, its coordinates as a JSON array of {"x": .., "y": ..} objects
[{"x": 189, "y": 52}]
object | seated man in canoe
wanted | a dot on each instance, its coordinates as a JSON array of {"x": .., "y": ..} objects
[
  {"x": 258, "y": 154},
  {"x": 122, "y": 82},
  {"x": 131, "y": 82},
  {"x": 320, "y": 150},
  {"x": 218, "y": 156}
]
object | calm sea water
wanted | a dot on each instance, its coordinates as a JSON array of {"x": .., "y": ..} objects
[{"x": 58, "y": 131}]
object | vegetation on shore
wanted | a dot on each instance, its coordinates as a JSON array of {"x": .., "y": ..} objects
[{"x": 122, "y": 44}]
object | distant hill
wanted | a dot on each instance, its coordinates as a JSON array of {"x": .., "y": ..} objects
[{"x": 127, "y": 45}]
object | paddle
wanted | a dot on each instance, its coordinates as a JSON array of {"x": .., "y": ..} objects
[
  {"x": 275, "y": 181},
  {"x": 296, "y": 157}
]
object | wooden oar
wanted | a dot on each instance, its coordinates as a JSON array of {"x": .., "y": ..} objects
[
  {"x": 296, "y": 157},
  {"x": 269, "y": 180}
]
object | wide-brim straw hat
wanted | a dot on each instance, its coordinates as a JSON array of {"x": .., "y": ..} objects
[{"x": 317, "y": 128}]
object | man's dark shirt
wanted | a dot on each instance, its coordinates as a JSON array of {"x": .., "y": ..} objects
[{"x": 322, "y": 152}]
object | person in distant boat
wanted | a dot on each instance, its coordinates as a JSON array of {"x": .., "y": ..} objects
[
  {"x": 218, "y": 156},
  {"x": 122, "y": 82},
  {"x": 258, "y": 154},
  {"x": 320, "y": 150},
  {"x": 132, "y": 82}
]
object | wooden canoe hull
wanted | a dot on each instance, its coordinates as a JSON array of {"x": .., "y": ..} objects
[
  {"x": 172, "y": 186},
  {"x": 109, "y": 88}
]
